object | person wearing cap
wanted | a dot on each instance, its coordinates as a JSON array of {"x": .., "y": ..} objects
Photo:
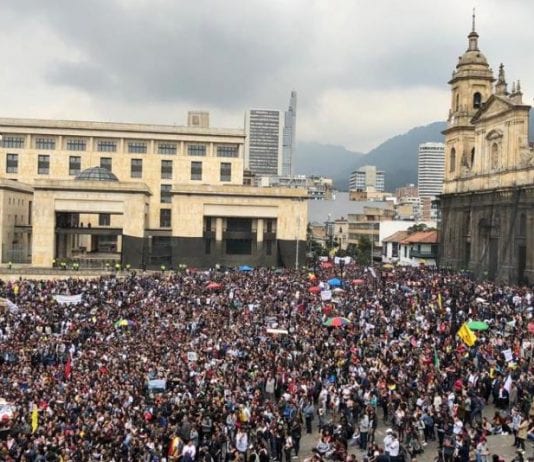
[
  {"x": 387, "y": 441},
  {"x": 394, "y": 448}
]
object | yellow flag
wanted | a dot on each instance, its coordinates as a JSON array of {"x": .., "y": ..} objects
[
  {"x": 467, "y": 335},
  {"x": 440, "y": 302},
  {"x": 35, "y": 419}
]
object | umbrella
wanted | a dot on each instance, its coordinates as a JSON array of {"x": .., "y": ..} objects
[
  {"x": 334, "y": 282},
  {"x": 388, "y": 266},
  {"x": 245, "y": 268},
  {"x": 124, "y": 323},
  {"x": 358, "y": 282},
  {"x": 336, "y": 322},
  {"x": 478, "y": 325},
  {"x": 213, "y": 285},
  {"x": 314, "y": 289},
  {"x": 337, "y": 290}
]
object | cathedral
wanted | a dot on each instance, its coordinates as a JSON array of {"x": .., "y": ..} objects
[{"x": 487, "y": 205}]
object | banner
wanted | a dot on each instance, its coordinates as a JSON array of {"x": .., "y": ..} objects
[
  {"x": 467, "y": 335},
  {"x": 68, "y": 299},
  {"x": 157, "y": 384},
  {"x": 278, "y": 331},
  {"x": 35, "y": 419},
  {"x": 326, "y": 295}
]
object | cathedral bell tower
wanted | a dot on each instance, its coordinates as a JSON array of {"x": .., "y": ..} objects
[{"x": 471, "y": 86}]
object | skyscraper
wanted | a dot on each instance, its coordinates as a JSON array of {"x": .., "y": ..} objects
[
  {"x": 430, "y": 169},
  {"x": 290, "y": 125},
  {"x": 366, "y": 177},
  {"x": 263, "y": 145}
]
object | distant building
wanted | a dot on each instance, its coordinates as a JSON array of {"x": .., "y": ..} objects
[
  {"x": 263, "y": 144},
  {"x": 365, "y": 177},
  {"x": 411, "y": 249},
  {"x": 370, "y": 194},
  {"x": 408, "y": 191},
  {"x": 289, "y": 141},
  {"x": 318, "y": 187},
  {"x": 430, "y": 169}
]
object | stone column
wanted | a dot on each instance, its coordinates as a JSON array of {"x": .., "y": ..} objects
[
  {"x": 43, "y": 229},
  {"x": 218, "y": 229}
]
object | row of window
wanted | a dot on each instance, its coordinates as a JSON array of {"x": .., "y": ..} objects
[
  {"x": 104, "y": 219},
  {"x": 136, "y": 167},
  {"x": 133, "y": 147}
]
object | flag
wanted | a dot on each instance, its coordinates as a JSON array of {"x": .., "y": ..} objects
[
  {"x": 436, "y": 359},
  {"x": 467, "y": 335},
  {"x": 35, "y": 419},
  {"x": 68, "y": 368},
  {"x": 440, "y": 302}
]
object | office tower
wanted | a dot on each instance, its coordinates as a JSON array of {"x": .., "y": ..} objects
[
  {"x": 263, "y": 144},
  {"x": 366, "y": 177},
  {"x": 290, "y": 125},
  {"x": 430, "y": 169}
]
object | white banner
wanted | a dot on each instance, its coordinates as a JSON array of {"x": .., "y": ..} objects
[
  {"x": 157, "y": 384},
  {"x": 326, "y": 295},
  {"x": 68, "y": 299}
]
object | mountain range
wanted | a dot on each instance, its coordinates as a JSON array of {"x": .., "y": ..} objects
[{"x": 397, "y": 157}]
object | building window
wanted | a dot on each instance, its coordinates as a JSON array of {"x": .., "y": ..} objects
[
  {"x": 106, "y": 146},
  {"x": 167, "y": 148},
  {"x": 196, "y": 149},
  {"x": 136, "y": 168},
  {"x": 43, "y": 164},
  {"x": 196, "y": 170},
  {"x": 226, "y": 171},
  {"x": 165, "y": 218},
  {"x": 104, "y": 219},
  {"x": 227, "y": 150},
  {"x": 75, "y": 165},
  {"x": 477, "y": 100},
  {"x": 137, "y": 147},
  {"x": 452, "y": 165},
  {"x": 166, "y": 169},
  {"x": 268, "y": 247},
  {"x": 105, "y": 162},
  {"x": 472, "y": 157},
  {"x": 76, "y": 144},
  {"x": 12, "y": 163},
  {"x": 494, "y": 155},
  {"x": 45, "y": 143},
  {"x": 16, "y": 142},
  {"x": 165, "y": 194},
  {"x": 523, "y": 225}
]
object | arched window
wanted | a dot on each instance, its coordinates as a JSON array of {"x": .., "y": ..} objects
[
  {"x": 452, "y": 164},
  {"x": 472, "y": 157},
  {"x": 494, "y": 155},
  {"x": 477, "y": 100},
  {"x": 457, "y": 103}
]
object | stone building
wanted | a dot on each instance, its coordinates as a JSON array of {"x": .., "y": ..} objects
[
  {"x": 487, "y": 207},
  {"x": 138, "y": 194}
]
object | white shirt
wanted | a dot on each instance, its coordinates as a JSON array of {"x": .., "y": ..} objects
[{"x": 394, "y": 447}]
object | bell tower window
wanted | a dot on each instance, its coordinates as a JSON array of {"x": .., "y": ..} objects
[
  {"x": 457, "y": 106},
  {"x": 472, "y": 157},
  {"x": 452, "y": 165},
  {"x": 477, "y": 100}
]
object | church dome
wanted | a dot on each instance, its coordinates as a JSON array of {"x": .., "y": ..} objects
[
  {"x": 473, "y": 56},
  {"x": 96, "y": 174}
]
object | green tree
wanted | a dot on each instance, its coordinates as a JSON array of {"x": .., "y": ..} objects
[
  {"x": 416, "y": 228},
  {"x": 363, "y": 254}
]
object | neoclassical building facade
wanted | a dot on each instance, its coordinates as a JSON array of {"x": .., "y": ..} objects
[{"x": 487, "y": 207}]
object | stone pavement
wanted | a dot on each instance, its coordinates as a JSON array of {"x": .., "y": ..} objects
[{"x": 497, "y": 444}]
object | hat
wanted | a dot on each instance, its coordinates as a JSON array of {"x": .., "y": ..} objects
[{"x": 389, "y": 430}]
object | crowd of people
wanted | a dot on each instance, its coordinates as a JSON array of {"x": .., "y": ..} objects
[{"x": 229, "y": 365}]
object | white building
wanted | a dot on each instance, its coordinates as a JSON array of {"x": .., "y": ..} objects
[
  {"x": 430, "y": 169},
  {"x": 366, "y": 177},
  {"x": 264, "y": 141}
]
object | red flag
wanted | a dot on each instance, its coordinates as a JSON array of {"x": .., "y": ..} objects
[{"x": 68, "y": 368}]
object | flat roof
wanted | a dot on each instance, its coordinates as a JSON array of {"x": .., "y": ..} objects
[{"x": 239, "y": 190}]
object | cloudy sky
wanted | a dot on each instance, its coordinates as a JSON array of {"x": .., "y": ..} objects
[{"x": 364, "y": 70}]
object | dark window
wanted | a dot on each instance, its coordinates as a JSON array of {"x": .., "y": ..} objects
[
  {"x": 12, "y": 163},
  {"x": 196, "y": 149},
  {"x": 395, "y": 249},
  {"x": 472, "y": 157},
  {"x": 227, "y": 150},
  {"x": 196, "y": 170},
  {"x": 523, "y": 225},
  {"x": 165, "y": 218},
  {"x": 452, "y": 165},
  {"x": 106, "y": 146},
  {"x": 166, "y": 169},
  {"x": 45, "y": 143},
  {"x": 105, "y": 162},
  {"x": 239, "y": 224},
  {"x": 16, "y": 142},
  {"x": 269, "y": 247},
  {"x": 136, "y": 168},
  {"x": 477, "y": 100},
  {"x": 137, "y": 147},
  {"x": 226, "y": 171},
  {"x": 76, "y": 144},
  {"x": 165, "y": 194},
  {"x": 207, "y": 222},
  {"x": 104, "y": 219},
  {"x": 75, "y": 165},
  {"x": 238, "y": 246},
  {"x": 269, "y": 226},
  {"x": 167, "y": 148},
  {"x": 43, "y": 164}
]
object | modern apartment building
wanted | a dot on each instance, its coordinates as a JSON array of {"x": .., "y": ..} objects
[
  {"x": 264, "y": 141},
  {"x": 290, "y": 127},
  {"x": 367, "y": 177},
  {"x": 430, "y": 169}
]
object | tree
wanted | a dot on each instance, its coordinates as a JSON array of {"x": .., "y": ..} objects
[
  {"x": 363, "y": 254},
  {"x": 416, "y": 228}
]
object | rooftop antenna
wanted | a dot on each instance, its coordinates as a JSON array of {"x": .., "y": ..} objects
[{"x": 473, "y": 19}]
